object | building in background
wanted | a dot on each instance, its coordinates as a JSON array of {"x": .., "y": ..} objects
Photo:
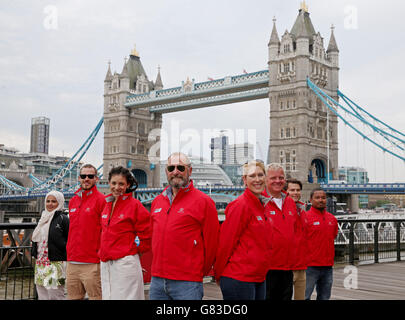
[
  {"x": 230, "y": 157},
  {"x": 218, "y": 148},
  {"x": 30, "y": 169},
  {"x": 238, "y": 154},
  {"x": 39, "y": 135},
  {"x": 353, "y": 175}
]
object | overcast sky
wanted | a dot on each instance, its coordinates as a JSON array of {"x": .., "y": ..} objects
[{"x": 54, "y": 55}]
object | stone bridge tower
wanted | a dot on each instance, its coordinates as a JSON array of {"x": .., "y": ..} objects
[
  {"x": 299, "y": 121},
  {"x": 126, "y": 130}
]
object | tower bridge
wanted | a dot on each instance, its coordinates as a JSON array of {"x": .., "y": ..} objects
[
  {"x": 301, "y": 82},
  {"x": 303, "y": 132}
]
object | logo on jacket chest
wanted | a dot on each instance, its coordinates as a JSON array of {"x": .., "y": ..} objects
[
  {"x": 181, "y": 210},
  {"x": 157, "y": 210},
  {"x": 73, "y": 210}
]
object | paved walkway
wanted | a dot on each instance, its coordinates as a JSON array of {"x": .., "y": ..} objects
[{"x": 381, "y": 281}]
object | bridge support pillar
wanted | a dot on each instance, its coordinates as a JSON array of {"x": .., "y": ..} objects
[{"x": 354, "y": 203}]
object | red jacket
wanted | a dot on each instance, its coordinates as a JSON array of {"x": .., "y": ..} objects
[
  {"x": 283, "y": 223},
  {"x": 301, "y": 242},
  {"x": 245, "y": 241},
  {"x": 126, "y": 230},
  {"x": 85, "y": 225},
  {"x": 322, "y": 230},
  {"x": 184, "y": 234}
]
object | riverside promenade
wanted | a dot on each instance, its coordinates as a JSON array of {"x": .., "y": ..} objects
[{"x": 377, "y": 281}]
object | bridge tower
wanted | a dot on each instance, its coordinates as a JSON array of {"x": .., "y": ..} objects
[
  {"x": 126, "y": 130},
  {"x": 299, "y": 121}
]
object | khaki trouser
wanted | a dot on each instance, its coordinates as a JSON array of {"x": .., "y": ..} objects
[
  {"x": 299, "y": 284},
  {"x": 82, "y": 279}
]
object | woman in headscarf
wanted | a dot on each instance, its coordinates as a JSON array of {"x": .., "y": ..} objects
[{"x": 49, "y": 248}]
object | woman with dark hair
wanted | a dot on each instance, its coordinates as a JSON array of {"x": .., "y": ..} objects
[{"x": 125, "y": 235}]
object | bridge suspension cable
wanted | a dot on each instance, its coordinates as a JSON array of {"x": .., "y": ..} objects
[
  {"x": 71, "y": 164},
  {"x": 391, "y": 140},
  {"x": 10, "y": 185}
]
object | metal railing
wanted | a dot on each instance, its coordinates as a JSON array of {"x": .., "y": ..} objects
[
  {"x": 16, "y": 263},
  {"x": 358, "y": 241},
  {"x": 370, "y": 241}
]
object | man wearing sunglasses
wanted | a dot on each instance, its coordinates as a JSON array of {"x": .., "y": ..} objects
[
  {"x": 83, "y": 267},
  {"x": 185, "y": 231}
]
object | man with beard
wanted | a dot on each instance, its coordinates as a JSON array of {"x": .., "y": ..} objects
[{"x": 185, "y": 230}]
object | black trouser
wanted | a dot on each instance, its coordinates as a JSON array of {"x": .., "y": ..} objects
[{"x": 279, "y": 285}]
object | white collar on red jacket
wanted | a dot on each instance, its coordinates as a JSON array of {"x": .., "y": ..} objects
[
  {"x": 81, "y": 192},
  {"x": 111, "y": 198},
  {"x": 269, "y": 197}
]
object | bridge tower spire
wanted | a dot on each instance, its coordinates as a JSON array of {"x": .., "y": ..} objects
[{"x": 300, "y": 125}]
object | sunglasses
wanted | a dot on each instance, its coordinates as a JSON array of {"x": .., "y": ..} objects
[
  {"x": 90, "y": 176},
  {"x": 181, "y": 168}
]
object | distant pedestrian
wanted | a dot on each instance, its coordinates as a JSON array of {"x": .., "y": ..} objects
[
  {"x": 49, "y": 248},
  {"x": 185, "y": 231},
  {"x": 245, "y": 241},
  {"x": 294, "y": 188},
  {"x": 83, "y": 267},
  {"x": 125, "y": 235},
  {"x": 322, "y": 230}
]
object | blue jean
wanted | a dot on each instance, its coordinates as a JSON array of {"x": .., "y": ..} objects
[
  {"x": 166, "y": 289},
  {"x": 322, "y": 279},
  {"x": 240, "y": 290}
]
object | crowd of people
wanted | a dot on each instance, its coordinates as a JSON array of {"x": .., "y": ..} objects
[{"x": 268, "y": 247}]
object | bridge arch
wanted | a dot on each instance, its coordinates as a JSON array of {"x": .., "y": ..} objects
[
  {"x": 141, "y": 177},
  {"x": 317, "y": 171}
]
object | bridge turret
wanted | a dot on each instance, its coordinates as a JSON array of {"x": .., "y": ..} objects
[
  {"x": 333, "y": 51},
  {"x": 108, "y": 78},
  {"x": 274, "y": 43},
  {"x": 125, "y": 80},
  {"x": 158, "y": 82},
  {"x": 333, "y": 56}
]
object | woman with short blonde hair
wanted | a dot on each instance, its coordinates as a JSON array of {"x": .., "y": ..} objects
[{"x": 245, "y": 242}]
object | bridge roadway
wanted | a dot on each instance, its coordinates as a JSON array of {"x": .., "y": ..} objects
[
  {"x": 378, "y": 281},
  {"x": 148, "y": 194}
]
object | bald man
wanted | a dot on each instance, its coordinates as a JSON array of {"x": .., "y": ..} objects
[{"x": 185, "y": 230}]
